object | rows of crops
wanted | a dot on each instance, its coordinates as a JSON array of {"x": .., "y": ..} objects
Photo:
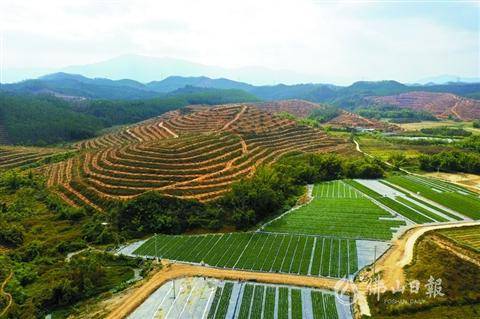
[
  {"x": 221, "y": 302},
  {"x": 446, "y": 194},
  {"x": 403, "y": 206},
  {"x": 269, "y": 252},
  {"x": 338, "y": 209},
  {"x": 261, "y": 301},
  {"x": 466, "y": 236},
  {"x": 196, "y": 155}
]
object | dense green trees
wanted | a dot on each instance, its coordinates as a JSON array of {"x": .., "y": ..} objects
[
  {"x": 153, "y": 212},
  {"x": 446, "y": 131},
  {"x": 253, "y": 199},
  {"x": 42, "y": 120},
  {"x": 451, "y": 161},
  {"x": 37, "y": 231},
  {"x": 471, "y": 143}
]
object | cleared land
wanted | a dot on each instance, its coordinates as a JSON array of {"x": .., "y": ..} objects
[
  {"x": 196, "y": 155},
  {"x": 449, "y": 195},
  {"x": 268, "y": 252},
  {"x": 338, "y": 209}
]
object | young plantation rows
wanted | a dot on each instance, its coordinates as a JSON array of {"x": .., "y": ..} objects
[
  {"x": 338, "y": 209},
  {"x": 268, "y": 252},
  {"x": 197, "y": 155},
  {"x": 17, "y": 156},
  {"x": 256, "y": 301},
  {"x": 451, "y": 196}
]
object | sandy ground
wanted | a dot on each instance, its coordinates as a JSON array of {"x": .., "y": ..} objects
[
  {"x": 470, "y": 181},
  {"x": 124, "y": 306}
]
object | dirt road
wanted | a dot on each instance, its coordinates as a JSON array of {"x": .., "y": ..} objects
[
  {"x": 172, "y": 271},
  {"x": 6, "y": 294},
  {"x": 402, "y": 251},
  {"x": 400, "y": 254}
]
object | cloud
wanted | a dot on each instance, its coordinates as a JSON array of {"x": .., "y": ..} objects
[{"x": 342, "y": 41}]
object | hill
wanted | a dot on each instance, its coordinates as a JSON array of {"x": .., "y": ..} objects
[
  {"x": 77, "y": 86},
  {"x": 194, "y": 155},
  {"x": 173, "y": 83},
  {"x": 298, "y": 108},
  {"x": 351, "y": 120},
  {"x": 442, "y": 105},
  {"x": 42, "y": 120}
]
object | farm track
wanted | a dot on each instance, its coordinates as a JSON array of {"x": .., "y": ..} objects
[
  {"x": 390, "y": 265},
  {"x": 174, "y": 271},
  {"x": 401, "y": 253}
]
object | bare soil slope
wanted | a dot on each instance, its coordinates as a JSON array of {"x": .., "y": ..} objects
[{"x": 442, "y": 105}]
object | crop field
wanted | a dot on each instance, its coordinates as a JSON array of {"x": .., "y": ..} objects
[
  {"x": 263, "y": 301},
  {"x": 338, "y": 209},
  {"x": 466, "y": 236},
  {"x": 268, "y": 252},
  {"x": 451, "y": 196},
  {"x": 196, "y": 155},
  {"x": 405, "y": 207}
]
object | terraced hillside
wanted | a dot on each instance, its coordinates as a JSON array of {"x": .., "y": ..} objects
[
  {"x": 442, "y": 105},
  {"x": 194, "y": 155},
  {"x": 348, "y": 120},
  {"x": 299, "y": 108},
  {"x": 17, "y": 156}
]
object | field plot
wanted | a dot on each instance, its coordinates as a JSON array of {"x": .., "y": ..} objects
[
  {"x": 466, "y": 236},
  {"x": 196, "y": 155},
  {"x": 269, "y": 252},
  {"x": 338, "y": 209},
  {"x": 416, "y": 210},
  {"x": 449, "y": 195}
]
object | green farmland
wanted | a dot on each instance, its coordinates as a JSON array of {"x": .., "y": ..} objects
[
  {"x": 261, "y": 299},
  {"x": 269, "y": 252},
  {"x": 403, "y": 206},
  {"x": 337, "y": 209},
  {"x": 446, "y": 194}
]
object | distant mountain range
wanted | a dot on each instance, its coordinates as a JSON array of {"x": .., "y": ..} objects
[
  {"x": 446, "y": 78},
  {"x": 77, "y": 86},
  {"x": 147, "y": 69}
]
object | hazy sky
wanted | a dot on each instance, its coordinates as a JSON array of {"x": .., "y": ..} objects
[{"x": 349, "y": 40}]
